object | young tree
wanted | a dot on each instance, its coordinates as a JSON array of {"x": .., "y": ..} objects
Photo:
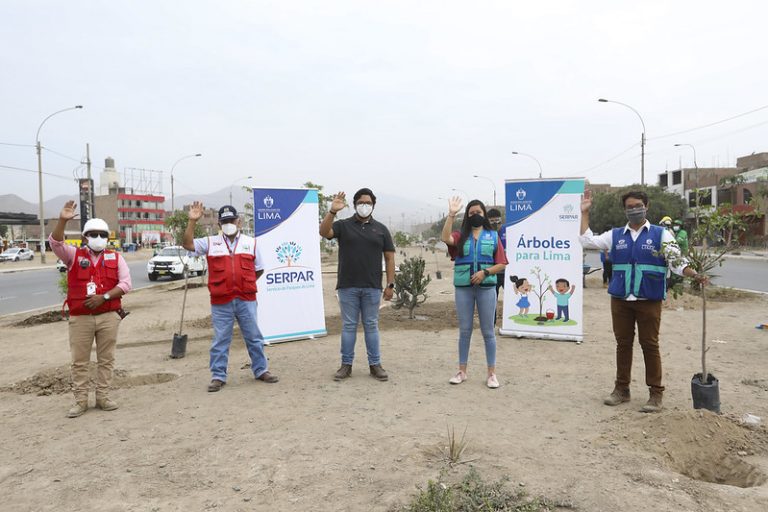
[
  {"x": 177, "y": 223},
  {"x": 401, "y": 239},
  {"x": 411, "y": 285},
  {"x": 539, "y": 290}
]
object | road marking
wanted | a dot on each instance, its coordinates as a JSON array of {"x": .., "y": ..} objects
[
  {"x": 40, "y": 293},
  {"x": 7, "y": 298}
]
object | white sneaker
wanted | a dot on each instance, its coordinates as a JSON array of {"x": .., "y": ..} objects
[
  {"x": 492, "y": 382},
  {"x": 458, "y": 378}
]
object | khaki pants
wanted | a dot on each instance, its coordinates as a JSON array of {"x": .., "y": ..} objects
[
  {"x": 647, "y": 315},
  {"x": 83, "y": 329}
]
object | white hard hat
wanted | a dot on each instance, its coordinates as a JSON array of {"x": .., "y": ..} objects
[{"x": 95, "y": 225}]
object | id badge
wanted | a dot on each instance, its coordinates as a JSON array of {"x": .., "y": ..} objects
[{"x": 91, "y": 289}]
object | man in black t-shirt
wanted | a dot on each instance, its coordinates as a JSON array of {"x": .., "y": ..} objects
[{"x": 362, "y": 242}]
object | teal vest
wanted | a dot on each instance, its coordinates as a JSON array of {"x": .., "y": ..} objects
[{"x": 478, "y": 255}]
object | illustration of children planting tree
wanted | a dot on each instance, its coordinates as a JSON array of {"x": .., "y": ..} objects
[{"x": 562, "y": 293}]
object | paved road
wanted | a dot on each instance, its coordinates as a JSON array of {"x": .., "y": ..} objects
[
  {"x": 22, "y": 291},
  {"x": 747, "y": 274}
]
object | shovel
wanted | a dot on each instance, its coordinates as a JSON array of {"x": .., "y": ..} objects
[{"x": 179, "y": 347}]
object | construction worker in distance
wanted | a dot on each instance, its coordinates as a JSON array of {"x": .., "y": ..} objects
[{"x": 681, "y": 235}]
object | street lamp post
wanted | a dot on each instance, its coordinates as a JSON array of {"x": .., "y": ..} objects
[
  {"x": 173, "y": 206},
  {"x": 461, "y": 191},
  {"x": 541, "y": 172},
  {"x": 233, "y": 184},
  {"x": 695, "y": 166},
  {"x": 492, "y": 184},
  {"x": 642, "y": 136},
  {"x": 38, "y": 148}
]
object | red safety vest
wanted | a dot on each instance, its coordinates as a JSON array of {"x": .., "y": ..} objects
[
  {"x": 103, "y": 274},
  {"x": 232, "y": 274}
]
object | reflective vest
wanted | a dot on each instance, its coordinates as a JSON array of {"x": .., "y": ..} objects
[
  {"x": 638, "y": 266},
  {"x": 231, "y": 274},
  {"x": 103, "y": 274},
  {"x": 477, "y": 255}
]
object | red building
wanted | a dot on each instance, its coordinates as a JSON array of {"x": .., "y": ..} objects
[{"x": 138, "y": 217}]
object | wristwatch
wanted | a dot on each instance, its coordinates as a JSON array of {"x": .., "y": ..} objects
[
  {"x": 391, "y": 286},
  {"x": 485, "y": 271},
  {"x": 106, "y": 296}
]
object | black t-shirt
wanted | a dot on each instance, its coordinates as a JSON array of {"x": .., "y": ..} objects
[{"x": 361, "y": 246}]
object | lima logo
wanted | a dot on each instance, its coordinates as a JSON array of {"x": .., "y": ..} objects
[
  {"x": 289, "y": 253},
  {"x": 568, "y": 214},
  {"x": 268, "y": 201},
  {"x": 521, "y": 205}
]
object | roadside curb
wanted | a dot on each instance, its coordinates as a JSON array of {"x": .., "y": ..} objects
[{"x": 25, "y": 269}]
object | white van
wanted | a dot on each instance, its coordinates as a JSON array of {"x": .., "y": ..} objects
[{"x": 170, "y": 262}]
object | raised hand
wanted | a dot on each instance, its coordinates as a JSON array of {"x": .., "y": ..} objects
[
  {"x": 586, "y": 201},
  {"x": 69, "y": 211},
  {"x": 196, "y": 210},
  {"x": 339, "y": 202},
  {"x": 454, "y": 205}
]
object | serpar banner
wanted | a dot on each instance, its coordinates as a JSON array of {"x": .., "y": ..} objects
[
  {"x": 290, "y": 292},
  {"x": 543, "y": 296}
]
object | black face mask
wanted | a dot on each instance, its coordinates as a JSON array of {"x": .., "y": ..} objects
[{"x": 476, "y": 220}]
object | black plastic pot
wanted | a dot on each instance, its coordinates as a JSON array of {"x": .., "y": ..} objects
[
  {"x": 179, "y": 347},
  {"x": 706, "y": 395},
  {"x": 439, "y": 275}
]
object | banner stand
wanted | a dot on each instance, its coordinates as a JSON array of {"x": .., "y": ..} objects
[
  {"x": 543, "y": 290},
  {"x": 290, "y": 291}
]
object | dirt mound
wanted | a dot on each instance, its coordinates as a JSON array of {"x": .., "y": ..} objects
[
  {"x": 190, "y": 286},
  {"x": 703, "y": 446},
  {"x": 39, "y": 319},
  {"x": 56, "y": 381}
]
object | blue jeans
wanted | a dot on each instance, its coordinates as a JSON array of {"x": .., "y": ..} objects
[
  {"x": 223, "y": 319},
  {"x": 562, "y": 311},
  {"x": 357, "y": 303},
  {"x": 485, "y": 298}
]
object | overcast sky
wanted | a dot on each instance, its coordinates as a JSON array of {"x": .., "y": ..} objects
[{"x": 409, "y": 98}]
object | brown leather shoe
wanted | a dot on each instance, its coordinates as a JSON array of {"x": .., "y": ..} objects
[
  {"x": 653, "y": 404},
  {"x": 216, "y": 385},
  {"x": 617, "y": 396},
  {"x": 268, "y": 378},
  {"x": 343, "y": 373},
  {"x": 378, "y": 373}
]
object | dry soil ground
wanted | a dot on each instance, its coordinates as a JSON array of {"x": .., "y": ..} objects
[{"x": 309, "y": 443}]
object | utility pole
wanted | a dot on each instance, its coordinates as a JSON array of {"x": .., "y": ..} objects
[{"x": 92, "y": 206}]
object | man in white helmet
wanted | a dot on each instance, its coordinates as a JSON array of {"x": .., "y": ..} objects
[{"x": 96, "y": 279}]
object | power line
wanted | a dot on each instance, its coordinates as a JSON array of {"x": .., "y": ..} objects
[
  {"x": 78, "y": 160},
  {"x": 17, "y": 145},
  {"x": 710, "y": 124},
  {"x": 21, "y": 169}
]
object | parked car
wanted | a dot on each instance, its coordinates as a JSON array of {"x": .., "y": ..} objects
[
  {"x": 17, "y": 254},
  {"x": 170, "y": 262}
]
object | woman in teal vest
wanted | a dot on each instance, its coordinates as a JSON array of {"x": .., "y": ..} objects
[{"x": 478, "y": 256}]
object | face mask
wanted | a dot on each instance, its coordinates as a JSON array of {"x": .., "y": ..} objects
[
  {"x": 676, "y": 228},
  {"x": 364, "y": 210},
  {"x": 229, "y": 228},
  {"x": 97, "y": 244},
  {"x": 476, "y": 220},
  {"x": 636, "y": 215}
]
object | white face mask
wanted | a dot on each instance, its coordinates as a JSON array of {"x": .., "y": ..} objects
[
  {"x": 229, "y": 228},
  {"x": 364, "y": 210},
  {"x": 97, "y": 244}
]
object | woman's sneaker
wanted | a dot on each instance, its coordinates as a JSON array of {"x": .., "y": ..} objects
[
  {"x": 492, "y": 382},
  {"x": 458, "y": 378}
]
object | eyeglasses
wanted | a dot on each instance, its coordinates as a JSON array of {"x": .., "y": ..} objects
[{"x": 94, "y": 234}]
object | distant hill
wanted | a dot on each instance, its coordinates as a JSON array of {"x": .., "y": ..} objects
[{"x": 11, "y": 203}]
